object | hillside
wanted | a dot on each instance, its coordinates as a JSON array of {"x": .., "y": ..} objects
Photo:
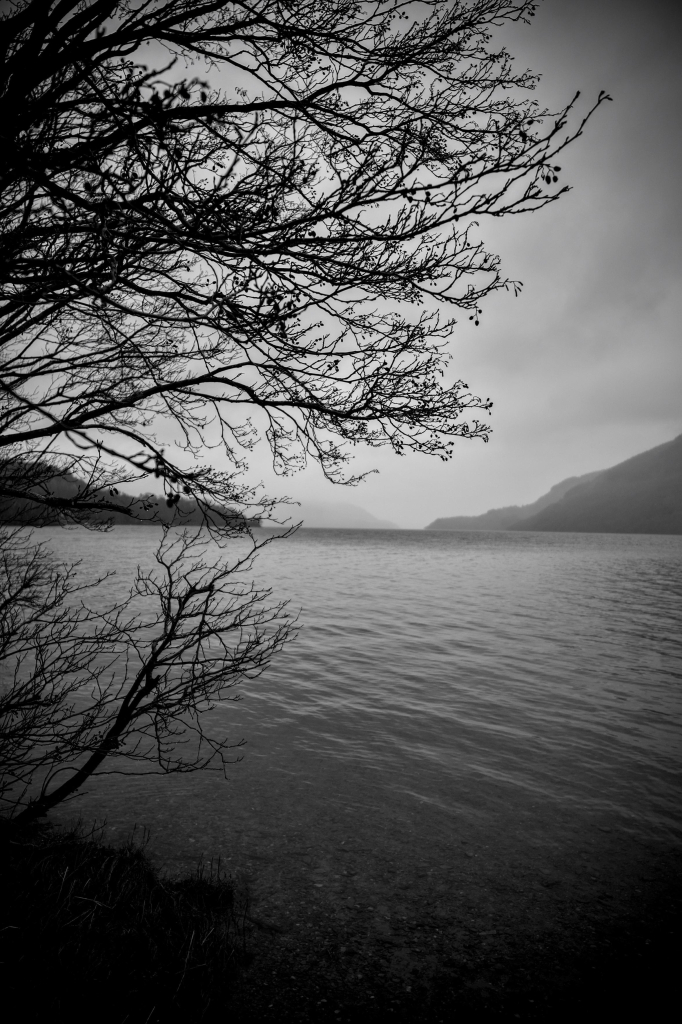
[
  {"x": 504, "y": 518},
  {"x": 148, "y": 509},
  {"x": 336, "y": 515},
  {"x": 641, "y": 495}
]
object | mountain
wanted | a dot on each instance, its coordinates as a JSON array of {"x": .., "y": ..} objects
[
  {"x": 640, "y": 495},
  {"x": 505, "y": 518},
  {"x": 332, "y": 515},
  {"x": 149, "y": 509}
]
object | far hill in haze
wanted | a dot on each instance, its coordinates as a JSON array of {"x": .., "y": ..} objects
[
  {"x": 336, "y": 515},
  {"x": 147, "y": 510},
  {"x": 504, "y": 518},
  {"x": 640, "y": 495}
]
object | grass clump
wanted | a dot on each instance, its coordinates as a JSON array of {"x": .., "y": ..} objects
[{"x": 90, "y": 931}]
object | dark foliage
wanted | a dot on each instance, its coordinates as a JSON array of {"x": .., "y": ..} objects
[
  {"x": 59, "y": 496},
  {"x": 91, "y": 929}
]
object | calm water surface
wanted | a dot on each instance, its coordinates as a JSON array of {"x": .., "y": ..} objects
[{"x": 459, "y": 709}]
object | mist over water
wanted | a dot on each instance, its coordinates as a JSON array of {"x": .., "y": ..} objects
[{"x": 481, "y": 726}]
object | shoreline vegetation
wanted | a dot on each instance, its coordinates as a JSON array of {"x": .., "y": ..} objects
[
  {"x": 57, "y": 491},
  {"x": 91, "y": 929}
]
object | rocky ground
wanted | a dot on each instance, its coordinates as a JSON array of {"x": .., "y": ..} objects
[
  {"x": 542, "y": 953},
  {"x": 367, "y": 916}
]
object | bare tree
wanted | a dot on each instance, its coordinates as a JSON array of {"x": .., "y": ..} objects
[
  {"x": 82, "y": 687},
  {"x": 178, "y": 259},
  {"x": 225, "y": 221},
  {"x": 44, "y": 659}
]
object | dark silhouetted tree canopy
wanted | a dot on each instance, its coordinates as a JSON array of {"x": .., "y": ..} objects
[
  {"x": 222, "y": 222},
  {"x": 225, "y": 220}
]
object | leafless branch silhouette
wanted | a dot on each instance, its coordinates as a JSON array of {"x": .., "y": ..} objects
[
  {"x": 188, "y": 266},
  {"x": 127, "y": 684}
]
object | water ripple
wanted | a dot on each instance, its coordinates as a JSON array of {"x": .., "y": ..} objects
[{"x": 545, "y": 665}]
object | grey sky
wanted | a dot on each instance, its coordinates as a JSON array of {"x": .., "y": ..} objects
[{"x": 585, "y": 368}]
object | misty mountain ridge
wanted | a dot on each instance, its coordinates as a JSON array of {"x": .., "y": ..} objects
[
  {"x": 336, "y": 515},
  {"x": 643, "y": 494},
  {"x": 149, "y": 509},
  {"x": 504, "y": 518}
]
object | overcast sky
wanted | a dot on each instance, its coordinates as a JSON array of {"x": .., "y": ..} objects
[{"x": 585, "y": 368}]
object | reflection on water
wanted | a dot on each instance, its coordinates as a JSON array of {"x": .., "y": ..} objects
[{"x": 456, "y": 706}]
